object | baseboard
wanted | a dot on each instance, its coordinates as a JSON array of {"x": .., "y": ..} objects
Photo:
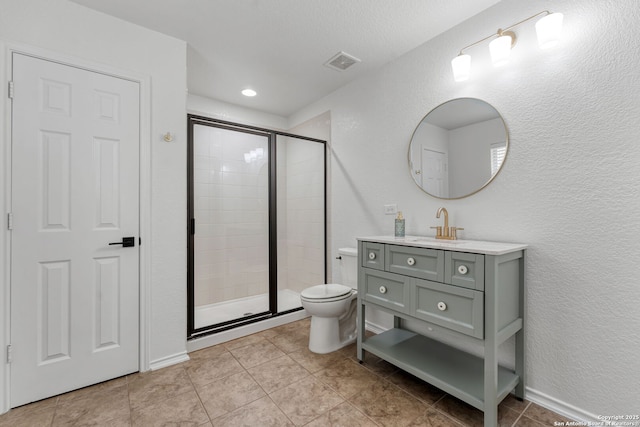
[
  {"x": 376, "y": 329},
  {"x": 168, "y": 361},
  {"x": 562, "y": 408}
]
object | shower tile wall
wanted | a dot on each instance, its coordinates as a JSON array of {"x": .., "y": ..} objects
[{"x": 231, "y": 210}]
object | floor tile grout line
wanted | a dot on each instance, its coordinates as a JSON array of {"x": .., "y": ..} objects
[
  {"x": 448, "y": 415},
  {"x": 297, "y": 381},
  {"x": 521, "y": 415},
  {"x": 195, "y": 389},
  {"x": 431, "y": 405},
  {"x": 280, "y": 409},
  {"x": 246, "y": 370},
  {"x": 314, "y": 377}
]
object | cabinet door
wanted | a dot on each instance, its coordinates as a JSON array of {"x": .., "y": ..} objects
[
  {"x": 416, "y": 262},
  {"x": 449, "y": 306},
  {"x": 385, "y": 289},
  {"x": 463, "y": 269}
]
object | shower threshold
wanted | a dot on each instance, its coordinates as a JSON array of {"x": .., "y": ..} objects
[{"x": 237, "y": 309}]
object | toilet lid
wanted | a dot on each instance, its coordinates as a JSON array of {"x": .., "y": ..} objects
[{"x": 331, "y": 290}]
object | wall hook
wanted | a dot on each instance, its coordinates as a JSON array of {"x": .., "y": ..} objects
[{"x": 168, "y": 137}]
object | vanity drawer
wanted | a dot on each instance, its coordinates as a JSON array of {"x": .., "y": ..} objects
[
  {"x": 455, "y": 308},
  {"x": 463, "y": 269},
  {"x": 372, "y": 255},
  {"x": 385, "y": 289},
  {"x": 415, "y": 262}
]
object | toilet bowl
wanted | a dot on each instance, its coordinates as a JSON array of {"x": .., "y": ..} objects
[{"x": 333, "y": 308}]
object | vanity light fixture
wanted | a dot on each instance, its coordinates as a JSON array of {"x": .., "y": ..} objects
[{"x": 548, "y": 30}]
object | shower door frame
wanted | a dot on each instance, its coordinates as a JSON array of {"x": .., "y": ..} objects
[{"x": 192, "y": 121}]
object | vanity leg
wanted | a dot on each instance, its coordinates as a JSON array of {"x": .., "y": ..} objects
[
  {"x": 521, "y": 337},
  {"x": 519, "y": 391},
  {"x": 360, "y": 333},
  {"x": 397, "y": 322},
  {"x": 490, "y": 344},
  {"x": 490, "y": 385}
]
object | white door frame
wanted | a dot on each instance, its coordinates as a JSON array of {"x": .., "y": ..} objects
[{"x": 7, "y": 50}]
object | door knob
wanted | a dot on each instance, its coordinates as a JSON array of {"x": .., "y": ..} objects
[{"x": 127, "y": 242}]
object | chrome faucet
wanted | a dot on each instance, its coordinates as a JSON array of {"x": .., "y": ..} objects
[{"x": 445, "y": 232}]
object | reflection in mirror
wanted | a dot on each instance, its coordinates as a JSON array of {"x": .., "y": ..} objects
[{"x": 458, "y": 148}]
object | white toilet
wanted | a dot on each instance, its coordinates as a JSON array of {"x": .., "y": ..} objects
[{"x": 333, "y": 307}]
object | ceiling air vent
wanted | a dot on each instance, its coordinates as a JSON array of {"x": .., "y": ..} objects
[{"x": 341, "y": 61}]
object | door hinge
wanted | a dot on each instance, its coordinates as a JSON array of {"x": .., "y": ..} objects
[
  {"x": 11, "y": 90},
  {"x": 10, "y": 221},
  {"x": 9, "y": 353}
]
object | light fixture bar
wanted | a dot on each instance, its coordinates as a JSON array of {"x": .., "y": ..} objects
[
  {"x": 504, "y": 30},
  {"x": 548, "y": 31}
]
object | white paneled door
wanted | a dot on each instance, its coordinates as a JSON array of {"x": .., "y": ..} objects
[{"x": 75, "y": 192}]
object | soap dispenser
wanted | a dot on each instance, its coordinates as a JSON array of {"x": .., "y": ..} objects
[{"x": 399, "y": 226}]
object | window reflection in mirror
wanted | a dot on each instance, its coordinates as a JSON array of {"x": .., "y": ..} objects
[{"x": 458, "y": 148}]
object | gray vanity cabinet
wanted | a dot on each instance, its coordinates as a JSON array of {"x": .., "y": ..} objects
[{"x": 473, "y": 291}]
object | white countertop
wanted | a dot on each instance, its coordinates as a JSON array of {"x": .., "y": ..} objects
[{"x": 472, "y": 246}]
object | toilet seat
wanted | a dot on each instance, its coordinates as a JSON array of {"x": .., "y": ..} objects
[{"x": 326, "y": 293}]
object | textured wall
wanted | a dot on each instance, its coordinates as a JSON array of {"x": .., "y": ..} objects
[{"x": 569, "y": 187}]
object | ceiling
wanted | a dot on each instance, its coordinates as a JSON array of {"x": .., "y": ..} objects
[{"x": 278, "y": 47}]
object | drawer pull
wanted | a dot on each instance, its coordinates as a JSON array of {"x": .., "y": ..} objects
[
  {"x": 372, "y": 255},
  {"x": 463, "y": 269},
  {"x": 442, "y": 306},
  {"x": 411, "y": 261},
  {"x": 383, "y": 289}
]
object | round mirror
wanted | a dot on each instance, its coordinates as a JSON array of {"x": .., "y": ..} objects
[{"x": 458, "y": 148}]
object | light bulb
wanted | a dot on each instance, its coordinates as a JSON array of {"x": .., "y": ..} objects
[
  {"x": 548, "y": 30},
  {"x": 461, "y": 66}
]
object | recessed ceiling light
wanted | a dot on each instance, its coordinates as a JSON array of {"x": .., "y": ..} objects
[{"x": 249, "y": 92}]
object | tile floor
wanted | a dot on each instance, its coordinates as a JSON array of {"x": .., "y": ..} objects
[{"x": 269, "y": 379}]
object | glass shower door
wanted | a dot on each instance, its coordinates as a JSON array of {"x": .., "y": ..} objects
[
  {"x": 231, "y": 225},
  {"x": 301, "y": 218}
]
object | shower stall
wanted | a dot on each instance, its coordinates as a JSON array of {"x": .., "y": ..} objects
[{"x": 257, "y": 228}]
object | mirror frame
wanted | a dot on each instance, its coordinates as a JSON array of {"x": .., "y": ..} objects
[{"x": 506, "y": 131}]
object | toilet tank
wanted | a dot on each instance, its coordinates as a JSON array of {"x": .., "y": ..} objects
[{"x": 349, "y": 266}]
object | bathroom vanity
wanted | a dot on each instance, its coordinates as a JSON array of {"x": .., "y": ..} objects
[{"x": 469, "y": 289}]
